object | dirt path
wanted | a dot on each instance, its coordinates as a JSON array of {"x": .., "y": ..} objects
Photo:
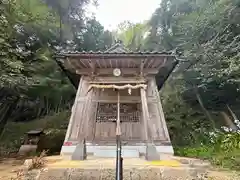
[
  {"x": 10, "y": 167},
  {"x": 224, "y": 175}
]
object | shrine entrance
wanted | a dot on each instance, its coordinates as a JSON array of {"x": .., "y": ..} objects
[
  {"x": 130, "y": 118},
  {"x": 106, "y": 120}
]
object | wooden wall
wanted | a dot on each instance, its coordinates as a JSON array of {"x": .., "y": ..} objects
[
  {"x": 157, "y": 125},
  {"x": 83, "y": 120}
]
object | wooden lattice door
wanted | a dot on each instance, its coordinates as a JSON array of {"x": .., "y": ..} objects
[{"x": 106, "y": 121}]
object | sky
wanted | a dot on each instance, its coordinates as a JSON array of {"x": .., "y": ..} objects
[{"x": 112, "y": 12}]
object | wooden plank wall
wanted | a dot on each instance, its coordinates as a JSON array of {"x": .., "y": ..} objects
[
  {"x": 157, "y": 126},
  {"x": 73, "y": 112},
  {"x": 78, "y": 122},
  {"x": 83, "y": 126},
  {"x": 83, "y": 120}
]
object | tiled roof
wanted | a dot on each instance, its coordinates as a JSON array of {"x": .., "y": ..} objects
[
  {"x": 38, "y": 131},
  {"x": 117, "y": 49},
  {"x": 101, "y": 52}
]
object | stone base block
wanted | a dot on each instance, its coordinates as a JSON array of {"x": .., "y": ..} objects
[
  {"x": 127, "y": 151},
  {"x": 151, "y": 153},
  {"x": 79, "y": 152}
]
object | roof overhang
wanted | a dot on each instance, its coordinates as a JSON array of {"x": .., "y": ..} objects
[{"x": 158, "y": 64}]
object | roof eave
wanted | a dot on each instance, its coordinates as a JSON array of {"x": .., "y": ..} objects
[{"x": 161, "y": 78}]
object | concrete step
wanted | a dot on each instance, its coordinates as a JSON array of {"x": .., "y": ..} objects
[{"x": 111, "y": 153}]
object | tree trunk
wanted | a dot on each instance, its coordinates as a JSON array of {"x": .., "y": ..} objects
[
  {"x": 228, "y": 121},
  {"x": 204, "y": 109},
  {"x": 232, "y": 113},
  {"x": 6, "y": 112}
]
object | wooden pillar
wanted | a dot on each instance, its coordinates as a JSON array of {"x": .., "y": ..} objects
[
  {"x": 151, "y": 151},
  {"x": 85, "y": 123},
  {"x": 145, "y": 113}
]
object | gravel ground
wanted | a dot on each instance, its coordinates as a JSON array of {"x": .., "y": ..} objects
[{"x": 103, "y": 169}]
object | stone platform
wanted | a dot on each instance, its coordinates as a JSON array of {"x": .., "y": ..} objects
[
  {"x": 128, "y": 151},
  {"x": 133, "y": 168}
]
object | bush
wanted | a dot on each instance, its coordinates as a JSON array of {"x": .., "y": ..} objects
[
  {"x": 54, "y": 126},
  {"x": 227, "y": 159},
  {"x": 223, "y": 151},
  {"x": 202, "y": 152},
  {"x": 54, "y": 139}
]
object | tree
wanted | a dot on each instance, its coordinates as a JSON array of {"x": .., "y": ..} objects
[
  {"x": 207, "y": 35},
  {"x": 31, "y": 83},
  {"x": 93, "y": 37},
  {"x": 133, "y": 35}
]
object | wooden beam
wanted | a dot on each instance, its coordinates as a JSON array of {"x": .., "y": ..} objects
[
  {"x": 117, "y": 82},
  {"x": 84, "y": 63},
  {"x": 141, "y": 67},
  {"x": 113, "y": 79},
  {"x": 124, "y": 99},
  {"x": 126, "y": 71},
  {"x": 115, "y": 101},
  {"x": 92, "y": 64},
  {"x": 93, "y": 67},
  {"x": 69, "y": 64},
  {"x": 162, "y": 64}
]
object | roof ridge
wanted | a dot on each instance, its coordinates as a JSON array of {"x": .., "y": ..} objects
[{"x": 117, "y": 48}]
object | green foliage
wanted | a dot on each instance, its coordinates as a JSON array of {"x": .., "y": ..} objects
[
  {"x": 133, "y": 35},
  {"x": 181, "y": 118},
  {"x": 227, "y": 159},
  {"x": 31, "y": 83},
  {"x": 224, "y": 150},
  {"x": 54, "y": 140},
  {"x": 93, "y": 37},
  {"x": 228, "y": 142},
  {"x": 206, "y": 34},
  {"x": 54, "y": 126},
  {"x": 203, "y": 152}
]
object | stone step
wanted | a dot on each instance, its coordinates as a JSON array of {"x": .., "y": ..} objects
[{"x": 111, "y": 153}]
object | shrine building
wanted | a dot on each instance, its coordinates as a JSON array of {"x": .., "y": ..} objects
[{"x": 111, "y": 79}]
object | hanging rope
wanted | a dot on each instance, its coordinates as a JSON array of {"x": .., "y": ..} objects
[{"x": 113, "y": 86}]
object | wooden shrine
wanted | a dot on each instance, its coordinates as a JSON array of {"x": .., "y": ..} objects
[{"x": 132, "y": 79}]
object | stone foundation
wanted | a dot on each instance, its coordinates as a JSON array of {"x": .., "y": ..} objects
[
  {"x": 165, "y": 152},
  {"x": 57, "y": 168}
]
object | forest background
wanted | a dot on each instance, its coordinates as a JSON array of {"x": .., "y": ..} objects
[{"x": 200, "y": 98}]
